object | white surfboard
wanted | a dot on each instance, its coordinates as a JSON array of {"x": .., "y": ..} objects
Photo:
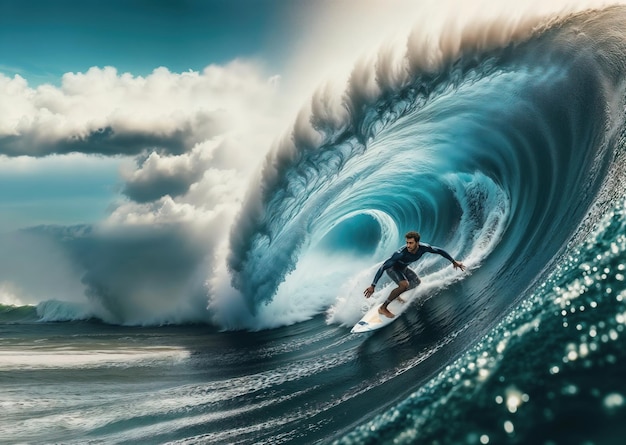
[{"x": 372, "y": 320}]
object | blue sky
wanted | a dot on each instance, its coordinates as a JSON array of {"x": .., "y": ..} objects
[{"x": 41, "y": 40}]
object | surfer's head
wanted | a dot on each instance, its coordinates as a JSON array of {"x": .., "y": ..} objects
[
  {"x": 412, "y": 241},
  {"x": 413, "y": 235}
]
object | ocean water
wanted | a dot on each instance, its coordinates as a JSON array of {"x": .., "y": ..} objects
[{"x": 507, "y": 149}]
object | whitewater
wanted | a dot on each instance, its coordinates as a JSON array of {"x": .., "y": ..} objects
[{"x": 502, "y": 142}]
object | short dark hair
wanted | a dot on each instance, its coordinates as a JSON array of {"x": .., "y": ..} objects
[{"x": 414, "y": 235}]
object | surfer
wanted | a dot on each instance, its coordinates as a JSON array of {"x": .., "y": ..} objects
[{"x": 397, "y": 267}]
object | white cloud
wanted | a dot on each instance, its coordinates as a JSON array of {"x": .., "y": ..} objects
[
  {"x": 103, "y": 111},
  {"x": 186, "y": 129}
]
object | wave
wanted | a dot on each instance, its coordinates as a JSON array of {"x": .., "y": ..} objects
[
  {"x": 46, "y": 311},
  {"x": 499, "y": 152},
  {"x": 17, "y": 314},
  {"x": 55, "y": 310}
]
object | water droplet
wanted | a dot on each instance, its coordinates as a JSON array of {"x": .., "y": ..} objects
[
  {"x": 613, "y": 400},
  {"x": 508, "y": 427},
  {"x": 513, "y": 399},
  {"x": 570, "y": 390}
]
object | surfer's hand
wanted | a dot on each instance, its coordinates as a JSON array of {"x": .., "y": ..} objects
[
  {"x": 368, "y": 292},
  {"x": 458, "y": 265}
]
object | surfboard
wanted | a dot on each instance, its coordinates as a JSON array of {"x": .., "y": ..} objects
[{"x": 372, "y": 320}]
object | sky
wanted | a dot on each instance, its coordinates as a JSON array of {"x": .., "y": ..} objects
[{"x": 43, "y": 40}]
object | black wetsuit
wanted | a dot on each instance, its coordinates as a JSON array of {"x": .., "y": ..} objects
[{"x": 397, "y": 266}]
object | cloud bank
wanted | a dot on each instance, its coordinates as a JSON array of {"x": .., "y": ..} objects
[{"x": 105, "y": 112}]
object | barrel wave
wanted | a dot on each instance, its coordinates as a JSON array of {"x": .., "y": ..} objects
[{"x": 497, "y": 151}]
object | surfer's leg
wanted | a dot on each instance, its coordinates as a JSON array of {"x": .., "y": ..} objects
[
  {"x": 395, "y": 294},
  {"x": 407, "y": 279},
  {"x": 412, "y": 278},
  {"x": 403, "y": 285},
  {"x": 407, "y": 275},
  {"x": 400, "y": 299}
]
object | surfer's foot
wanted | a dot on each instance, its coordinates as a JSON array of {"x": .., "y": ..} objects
[{"x": 384, "y": 311}]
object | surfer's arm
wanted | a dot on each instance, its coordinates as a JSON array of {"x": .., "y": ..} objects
[
  {"x": 386, "y": 265},
  {"x": 379, "y": 273},
  {"x": 370, "y": 290},
  {"x": 446, "y": 255}
]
